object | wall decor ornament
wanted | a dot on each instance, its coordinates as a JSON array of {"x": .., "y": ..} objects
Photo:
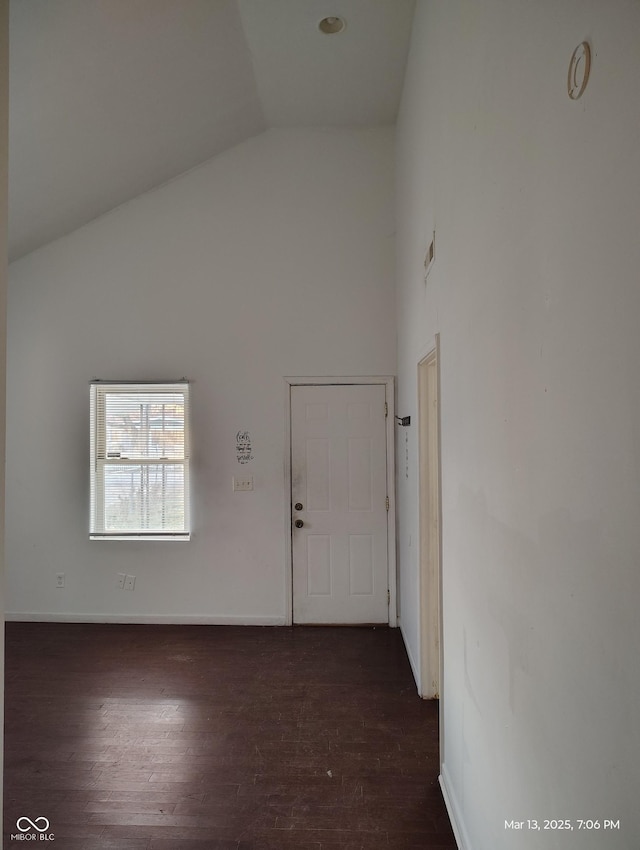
[{"x": 579, "y": 69}]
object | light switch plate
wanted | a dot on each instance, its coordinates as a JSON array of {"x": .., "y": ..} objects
[{"x": 242, "y": 482}]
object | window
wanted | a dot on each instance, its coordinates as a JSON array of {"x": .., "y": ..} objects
[{"x": 139, "y": 461}]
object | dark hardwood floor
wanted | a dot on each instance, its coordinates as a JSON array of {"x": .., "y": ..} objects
[{"x": 224, "y": 738}]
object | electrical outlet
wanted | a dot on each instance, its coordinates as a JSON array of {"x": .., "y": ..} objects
[
  {"x": 130, "y": 583},
  {"x": 121, "y": 580},
  {"x": 242, "y": 482},
  {"x": 59, "y": 579}
]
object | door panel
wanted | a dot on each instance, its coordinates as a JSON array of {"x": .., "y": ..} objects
[{"x": 339, "y": 476}]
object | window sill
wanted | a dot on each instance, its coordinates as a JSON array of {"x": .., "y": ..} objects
[{"x": 167, "y": 538}]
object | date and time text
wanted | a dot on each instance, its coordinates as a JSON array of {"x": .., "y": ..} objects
[{"x": 586, "y": 824}]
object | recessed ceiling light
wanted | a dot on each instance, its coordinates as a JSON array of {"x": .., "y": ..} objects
[{"x": 331, "y": 25}]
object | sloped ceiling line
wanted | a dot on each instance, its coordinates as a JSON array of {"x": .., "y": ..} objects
[{"x": 109, "y": 98}]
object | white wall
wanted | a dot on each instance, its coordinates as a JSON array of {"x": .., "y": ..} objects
[
  {"x": 275, "y": 258},
  {"x": 534, "y": 199},
  {"x": 4, "y": 109}
]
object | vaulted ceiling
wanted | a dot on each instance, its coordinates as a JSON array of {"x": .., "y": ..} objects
[{"x": 109, "y": 98}]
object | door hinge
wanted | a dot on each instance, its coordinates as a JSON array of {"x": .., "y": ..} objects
[
  {"x": 387, "y": 503},
  {"x": 386, "y": 409},
  {"x": 388, "y": 597}
]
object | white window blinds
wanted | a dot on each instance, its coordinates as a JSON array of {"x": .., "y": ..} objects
[{"x": 139, "y": 461}]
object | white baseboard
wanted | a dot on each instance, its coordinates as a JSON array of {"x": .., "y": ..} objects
[
  {"x": 412, "y": 662},
  {"x": 453, "y": 808},
  {"x": 142, "y": 619}
]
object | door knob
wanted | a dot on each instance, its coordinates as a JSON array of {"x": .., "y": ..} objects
[
  {"x": 298, "y": 523},
  {"x": 298, "y": 506}
]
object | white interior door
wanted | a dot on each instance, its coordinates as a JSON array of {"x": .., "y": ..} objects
[{"x": 339, "y": 504}]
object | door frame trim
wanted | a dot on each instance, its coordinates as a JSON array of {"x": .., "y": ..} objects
[
  {"x": 430, "y": 522},
  {"x": 338, "y": 380}
]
